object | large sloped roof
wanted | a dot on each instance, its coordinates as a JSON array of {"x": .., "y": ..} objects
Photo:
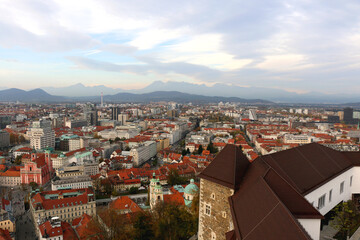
[
  {"x": 308, "y": 166},
  {"x": 259, "y": 214},
  {"x": 227, "y": 168},
  {"x": 269, "y": 193}
]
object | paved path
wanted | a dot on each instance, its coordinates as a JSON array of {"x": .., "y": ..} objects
[{"x": 328, "y": 232}]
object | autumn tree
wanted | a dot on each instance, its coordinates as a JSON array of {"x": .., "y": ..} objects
[
  {"x": 174, "y": 178},
  {"x": 111, "y": 225},
  {"x": 18, "y": 160},
  {"x": 346, "y": 218},
  {"x": 143, "y": 227},
  {"x": 173, "y": 222}
]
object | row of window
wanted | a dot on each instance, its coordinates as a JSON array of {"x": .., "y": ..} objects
[{"x": 321, "y": 200}]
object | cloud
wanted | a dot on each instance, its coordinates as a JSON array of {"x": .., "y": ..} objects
[
  {"x": 253, "y": 43},
  {"x": 191, "y": 70},
  {"x": 120, "y": 49}
]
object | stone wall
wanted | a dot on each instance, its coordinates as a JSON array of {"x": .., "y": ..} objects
[{"x": 215, "y": 225}]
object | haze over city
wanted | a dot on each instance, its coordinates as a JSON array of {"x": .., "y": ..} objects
[{"x": 295, "y": 46}]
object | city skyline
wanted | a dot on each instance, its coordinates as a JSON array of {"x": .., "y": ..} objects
[{"x": 297, "y": 47}]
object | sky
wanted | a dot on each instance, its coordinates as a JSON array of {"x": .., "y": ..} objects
[{"x": 298, "y": 46}]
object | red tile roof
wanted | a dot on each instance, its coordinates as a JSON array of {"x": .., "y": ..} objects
[{"x": 125, "y": 203}]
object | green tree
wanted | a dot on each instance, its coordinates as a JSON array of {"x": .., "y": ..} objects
[
  {"x": 34, "y": 185},
  {"x": 117, "y": 139},
  {"x": 200, "y": 149},
  {"x": 173, "y": 222},
  {"x": 127, "y": 148},
  {"x": 155, "y": 162},
  {"x": 174, "y": 178},
  {"x": 346, "y": 219},
  {"x": 133, "y": 190},
  {"x": 143, "y": 227},
  {"x": 184, "y": 152},
  {"x": 182, "y": 143},
  {"x": 211, "y": 148}
]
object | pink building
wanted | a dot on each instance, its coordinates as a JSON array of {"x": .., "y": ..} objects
[{"x": 38, "y": 170}]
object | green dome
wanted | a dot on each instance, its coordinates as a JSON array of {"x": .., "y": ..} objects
[{"x": 191, "y": 188}]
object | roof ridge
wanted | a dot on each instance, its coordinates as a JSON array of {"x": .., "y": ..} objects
[{"x": 310, "y": 163}]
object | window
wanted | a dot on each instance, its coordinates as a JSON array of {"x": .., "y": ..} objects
[
  {"x": 207, "y": 209},
  {"x": 321, "y": 201},
  {"x": 341, "y": 187},
  {"x": 224, "y": 214},
  {"x": 330, "y": 195},
  {"x": 213, "y": 196},
  {"x": 351, "y": 180}
]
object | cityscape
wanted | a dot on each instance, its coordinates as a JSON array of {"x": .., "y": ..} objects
[{"x": 162, "y": 120}]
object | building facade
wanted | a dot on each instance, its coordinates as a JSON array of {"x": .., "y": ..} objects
[
  {"x": 64, "y": 204},
  {"x": 41, "y": 135},
  {"x": 71, "y": 183},
  {"x": 38, "y": 170}
]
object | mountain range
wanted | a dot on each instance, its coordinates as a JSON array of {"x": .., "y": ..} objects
[
  {"x": 173, "y": 91},
  {"x": 39, "y": 95},
  {"x": 223, "y": 90},
  {"x": 36, "y": 95}
]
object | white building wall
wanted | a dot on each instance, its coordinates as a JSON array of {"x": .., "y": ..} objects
[
  {"x": 334, "y": 185},
  {"x": 312, "y": 226}
]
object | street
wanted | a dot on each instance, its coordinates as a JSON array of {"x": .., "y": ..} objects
[{"x": 25, "y": 227}]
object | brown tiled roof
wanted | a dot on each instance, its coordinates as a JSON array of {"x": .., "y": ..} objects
[
  {"x": 228, "y": 167},
  {"x": 258, "y": 213},
  {"x": 303, "y": 167},
  {"x": 269, "y": 192}
]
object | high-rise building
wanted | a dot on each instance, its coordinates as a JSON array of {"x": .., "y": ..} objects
[
  {"x": 90, "y": 115},
  {"x": 41, "y": 135},
  {"x": 115, "y": 111},
  {"x": 348, "y": 115},
  {"x": 172, "y": 113},
  {"x": 123, "y": 117}
]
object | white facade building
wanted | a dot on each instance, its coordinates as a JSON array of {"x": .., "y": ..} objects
[
  {"x": 73, "y": 183},
  {"x": 143, "y": 152},
  {"x": 41, "y": 135},
  {"x": 297, "y": 139}
]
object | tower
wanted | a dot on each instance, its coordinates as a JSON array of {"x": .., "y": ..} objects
[
  {"x": 156, "y": 192},
  {"x": 218, "y": 182},
  {"x": 48, "y": 160},
  {"x": 102, "y": 100}
]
